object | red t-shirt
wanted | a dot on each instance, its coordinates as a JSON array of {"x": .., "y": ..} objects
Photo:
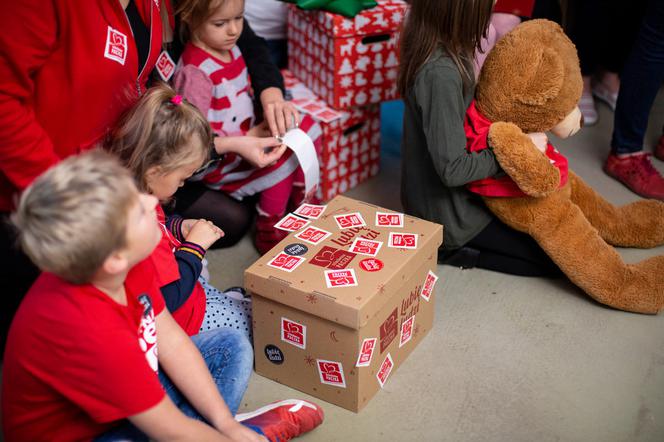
[
  {"x": 190, "y": 315},
  {"x": 77, "y": 361},
  {"x": 477, "y": 128}
]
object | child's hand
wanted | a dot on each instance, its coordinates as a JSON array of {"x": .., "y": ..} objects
[
  {"x": 281, "y": 116},
  {"x": 260, "y": 152},
  {"x": 540, "y": 140},
  {"x": 204, "y": 233},
  {"x": 186, "y": 226},
  {"x": 240, "y": 433}
]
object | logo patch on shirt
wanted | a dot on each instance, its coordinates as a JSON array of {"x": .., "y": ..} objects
[
  {"x": 165, "y": 66},
  {"x": 116, "y": 46}
]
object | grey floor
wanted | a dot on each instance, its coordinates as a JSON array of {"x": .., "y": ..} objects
[{"x": 509, "y": 358}]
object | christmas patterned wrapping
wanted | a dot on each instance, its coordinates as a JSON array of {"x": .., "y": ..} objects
[
  {"x": 351, "y": 139},
  {"x": 347, "y": 62}
]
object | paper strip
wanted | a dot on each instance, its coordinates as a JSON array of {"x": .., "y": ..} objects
[{"x": 300, "y": 143}]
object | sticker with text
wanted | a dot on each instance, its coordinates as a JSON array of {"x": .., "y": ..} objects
[
  {"x": 406, "y": 331},
  {"x": 331, "y": 373},
  {"x": 371, "y": 265},
  {"x": 116, "y": 46},
  {"x": 402, "y": 240},
  {"x": 365, "y": 246},
  {"x": 313, "y": 235},
  {"x": 286, "y": 262},
  {"x": 366, "y": 352},
  {"x": 294, "y": 333},
  {"x": 349, "y": 220},
  {"x": 429, "y": 283},
  {"x": 385, "y": 219},
  {"x": 385, "y": 370},
  {"x": 332, "y": 258},
  {"x": 311, "y": 211},
  {"x": 340, "y": 278},
  {"x": 291, "y": 223}
]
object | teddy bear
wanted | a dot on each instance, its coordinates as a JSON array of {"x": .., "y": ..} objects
[{"x": 531, "y": 82}]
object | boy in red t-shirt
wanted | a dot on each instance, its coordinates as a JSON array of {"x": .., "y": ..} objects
[{"x": 82, "y": 350}]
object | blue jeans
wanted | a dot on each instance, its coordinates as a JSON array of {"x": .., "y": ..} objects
[
  {"x": 229, "y": 357},
  {"x": 641, "y": 78}
]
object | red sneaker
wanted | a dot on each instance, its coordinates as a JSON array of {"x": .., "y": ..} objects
[
  {"x": 637, "y": 173},
  {"x": 267, "y": 236},
  {"x": 281, "y": 421},
  {"x": 659, "y": 149}
]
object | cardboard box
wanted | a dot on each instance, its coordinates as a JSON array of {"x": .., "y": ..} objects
[
  {"x": 351, "y": 139},
  {"x": 338, "y": 308},
  {"x": 348, "y": 62}
]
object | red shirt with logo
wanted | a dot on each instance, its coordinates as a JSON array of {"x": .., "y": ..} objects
[
  {"x": 77, "y": 361},
  {"x": 68, "y": 69},
  {"x": 477, "y": 128}
]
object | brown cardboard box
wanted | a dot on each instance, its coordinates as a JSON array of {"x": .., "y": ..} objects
[{"x": 334, "y": 323}]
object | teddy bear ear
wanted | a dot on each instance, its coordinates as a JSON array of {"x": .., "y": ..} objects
[{"x": 543, "y": 78}]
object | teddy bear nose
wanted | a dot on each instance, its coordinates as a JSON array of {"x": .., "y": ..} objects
[{"x": 581, "y": 122}]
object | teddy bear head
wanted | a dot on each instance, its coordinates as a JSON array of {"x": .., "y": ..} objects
[{"x": 532, "y": 78}]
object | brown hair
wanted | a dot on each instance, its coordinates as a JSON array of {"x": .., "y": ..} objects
[
  {"x": 75, "y": 215},
  {"x": 456, "y": 26},
  {"x": 193, "y": 14},
  {"x": 158, "y": 132}
]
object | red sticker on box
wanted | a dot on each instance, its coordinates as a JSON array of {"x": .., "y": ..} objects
[
  {"x": 286, "y": 262},
  {"x": 310, "y": 211},
  {"x": 371, "y": 264},
  {"x": 313, "y": 235},
  {"x": 331, "y": 373},
  {"x": 366, "y": 352},
  {"x": 388, "y": 330},
  {"x": 406, "y": 331},
  {"x": 332, "y": 258},
  {"x": 340, "y": 278},
  {"x": 291, "y": 223},
  {"x": 365, "y": 246},
  {"x": 402, "y": 240},
  {"x": 294, "y": 333},
  {"x": 349, "y": 220},
  {"x": 385, "y": 219},
  {"x": 429, "y": 283},
  {"x": 385, "y": 370}
]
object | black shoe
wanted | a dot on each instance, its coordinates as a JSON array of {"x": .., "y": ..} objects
[{"x": 465, "y": 257}]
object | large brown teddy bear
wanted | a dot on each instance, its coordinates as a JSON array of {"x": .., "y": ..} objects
[{"x": 531, "y": 82}]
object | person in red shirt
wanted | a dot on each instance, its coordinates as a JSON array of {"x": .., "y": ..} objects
[{"x": 92, "y": 344}]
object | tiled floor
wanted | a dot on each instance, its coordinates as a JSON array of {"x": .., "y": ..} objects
[{"x": 509, "y": 358}]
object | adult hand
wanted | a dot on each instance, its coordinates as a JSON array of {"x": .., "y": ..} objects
[
  {"x": 204, "y": 233},
  {"x": 279, "y": 114},
  {"x": 239, "y": 432},
  {"x": 540, "y": 140},
  {"x": 260, "y": 152}
]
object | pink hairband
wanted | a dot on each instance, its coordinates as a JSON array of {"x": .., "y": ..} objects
[{"x": 177, "y": 100}]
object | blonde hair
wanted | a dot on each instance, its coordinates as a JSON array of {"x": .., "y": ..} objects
[
  {"x": 157, "y": 132},
  {"x": 75, "y": 215},
  {"x": 193, "y": 14}
]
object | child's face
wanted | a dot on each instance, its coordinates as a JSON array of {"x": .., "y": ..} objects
[
  {"x": 143, "y": 230},
  {"x": 164, "y": 185},
  {"x": 222, "y": 30}
]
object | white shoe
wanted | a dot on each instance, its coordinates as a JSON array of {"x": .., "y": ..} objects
[
  {"x": 604, "y": 94},
  {"x": 588, "y": 109}
]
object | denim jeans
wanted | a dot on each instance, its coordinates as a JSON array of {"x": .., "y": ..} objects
[
  {"x": 641, "y": 78},
  {"x": 229, "y": 357}
]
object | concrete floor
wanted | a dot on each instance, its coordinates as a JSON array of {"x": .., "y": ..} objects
[{"x": 509, "y": 358}]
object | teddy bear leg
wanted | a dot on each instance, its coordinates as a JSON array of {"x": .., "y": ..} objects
[
  {"x": 639, "y": 224},
  {"x": 589, "y": 262}
]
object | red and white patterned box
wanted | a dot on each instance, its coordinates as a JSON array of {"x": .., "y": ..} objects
[
  {"x": 351, "y": 139},
  {"x": 347, "y": 61}
]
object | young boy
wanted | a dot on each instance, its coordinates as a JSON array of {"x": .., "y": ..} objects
[{"x": 82, "y": 350}]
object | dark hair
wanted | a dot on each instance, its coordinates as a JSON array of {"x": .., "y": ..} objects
[{"x": 456, "y": 26}]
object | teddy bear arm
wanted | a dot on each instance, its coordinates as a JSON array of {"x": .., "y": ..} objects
[{"x": 529, "y": 168}]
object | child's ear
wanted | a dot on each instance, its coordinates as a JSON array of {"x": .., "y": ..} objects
[{"x": 115, "y": 263}]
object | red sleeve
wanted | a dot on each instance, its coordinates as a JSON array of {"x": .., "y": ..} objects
[
  {"x": 26, "y": 42},
  {"x": 194, "y": 85}
]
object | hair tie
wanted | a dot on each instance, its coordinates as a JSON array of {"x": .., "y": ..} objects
[{"x": 177, "y": 100}]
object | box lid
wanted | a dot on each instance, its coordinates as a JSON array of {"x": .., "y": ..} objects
[
  {"x": 328, "y": 280},
  {"x": 384, "y": 18}
]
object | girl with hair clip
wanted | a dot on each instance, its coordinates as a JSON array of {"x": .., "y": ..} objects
[
  {"x": 212, "y": 75},
  {"x": 437, "y": 81},
  {"x": 163, "y": 140}
]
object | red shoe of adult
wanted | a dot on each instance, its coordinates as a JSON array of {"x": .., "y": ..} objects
[
  {"x": 281, "y": 421},
  {"x": 659, "y": 149},
  {"x": 637, "y": 173},
  {"x": 267, "y": 236}
]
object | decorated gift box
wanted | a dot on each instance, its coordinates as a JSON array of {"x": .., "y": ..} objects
[
  {"x": 342, "y": 301},
  {"x": 351, "y": 139},
  {"x": 347, "y": 61}
]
